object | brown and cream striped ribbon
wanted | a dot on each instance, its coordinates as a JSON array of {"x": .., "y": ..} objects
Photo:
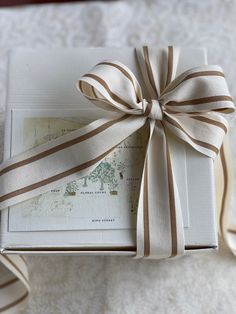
[
  {"x": 189, "y": 105},
  {"x": 224, "y": 174},
  {"x": 14, "y": 283}
]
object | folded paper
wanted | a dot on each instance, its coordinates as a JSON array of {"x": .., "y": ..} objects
[{"x": 189, "y": 105}]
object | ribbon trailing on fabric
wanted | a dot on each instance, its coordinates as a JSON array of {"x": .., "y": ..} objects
[
  {"x": 189, "y": 105},
  {"x": 224, "y": 182}
]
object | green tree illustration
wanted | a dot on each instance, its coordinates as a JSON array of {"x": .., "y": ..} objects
[
  {"x": 104, "y": 173},
  {"x": 71, "y": 188}
]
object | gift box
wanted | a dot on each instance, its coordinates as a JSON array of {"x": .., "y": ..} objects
[{"x": 97, "y": 212}]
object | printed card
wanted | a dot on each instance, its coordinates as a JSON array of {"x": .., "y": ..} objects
[{"x": 105, "y": 199}]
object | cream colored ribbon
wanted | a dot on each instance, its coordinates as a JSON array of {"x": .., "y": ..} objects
[
  {"x": 189, "y": 105},
  {"x": 224, "y": 174},
  {"x": 14, "y": 283}
]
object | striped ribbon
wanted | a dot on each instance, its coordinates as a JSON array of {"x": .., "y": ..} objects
[
  {"x": 224, "y": 173},
  {"x": 14, "y": 283},
  {"x": 189, "y": 105}
]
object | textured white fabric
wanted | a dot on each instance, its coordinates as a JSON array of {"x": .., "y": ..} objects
[{"x": 108, "y": 285}]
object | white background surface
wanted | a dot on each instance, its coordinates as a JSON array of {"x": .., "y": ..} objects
[{"x": 195, "y": 284}]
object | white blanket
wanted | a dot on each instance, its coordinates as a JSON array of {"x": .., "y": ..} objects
[{"x": 197, "y": 284}]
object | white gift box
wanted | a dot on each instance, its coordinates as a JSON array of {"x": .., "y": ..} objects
[{"x": 42, "y": 94}]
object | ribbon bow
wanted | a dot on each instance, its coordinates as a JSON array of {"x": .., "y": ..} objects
[{"x": 189, "y": 105}]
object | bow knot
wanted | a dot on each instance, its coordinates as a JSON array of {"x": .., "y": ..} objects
[{"x": 152, "y": 109}]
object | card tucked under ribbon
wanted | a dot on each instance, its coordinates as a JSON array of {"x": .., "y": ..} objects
[{"x": 190, "y": 106}]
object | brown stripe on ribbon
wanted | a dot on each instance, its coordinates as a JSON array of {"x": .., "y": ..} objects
[
  {"x": 225, "y": 110},
  {"x": 170, "y": 60},
  {"x": 146, "y": 213},
  {"x": 93, "y": 92},
  {"x": 230, "y": 230},
  {"x": 87, "y": 96},
  {"x": 203, "y": 73},
  {"x": 198, "y": 74},
  {"x": 200, "y": 101},
  {"x": 210, "y": 121},
  {"x": 149, "y": 69},
  {"x": 55, "y": 178},
  {"x": 148, "y": 109},
  {"x": 107, "y": 88},
  {"x": 16, "y": 267},
  {"x": 171, "y": 200},
  {"x": 94, "y": 100},
  {"x": 10, "y": 305},
  {"x": 198, "y": 142},
  {"x": 225, "y": 189},
  {"x": 195, "y": 75},
  {"x": 81, "y": 86},
  {"x": 8, "y": 283},
  {"x": 63, "y": 145},
  {"x": 126, "y": 73}
]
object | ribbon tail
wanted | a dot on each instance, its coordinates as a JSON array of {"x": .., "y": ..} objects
[
  {"x": 177, "y": 226},
  {"x": 14, "y": 283},
  {"x": 159, "y": 220},
  {"x": 224, "y": 185},
  {"x": 63, "y": 160}
]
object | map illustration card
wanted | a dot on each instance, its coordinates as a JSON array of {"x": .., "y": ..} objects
[{"x": 107, "y": 198}]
